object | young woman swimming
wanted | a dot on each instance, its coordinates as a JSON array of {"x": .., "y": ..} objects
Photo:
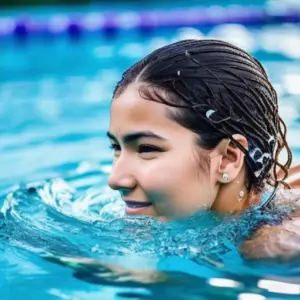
[{"x": 195, "y": 126}]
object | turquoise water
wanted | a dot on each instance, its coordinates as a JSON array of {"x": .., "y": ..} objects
[{"x": 54, "y": 157}]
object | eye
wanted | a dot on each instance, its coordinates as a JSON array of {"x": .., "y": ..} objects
[
  {"x": 144, "y": 148},
  {"x": 115, "y": 147}
]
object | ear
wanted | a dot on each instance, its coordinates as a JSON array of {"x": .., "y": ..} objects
[{"x": 232, "y": 158}]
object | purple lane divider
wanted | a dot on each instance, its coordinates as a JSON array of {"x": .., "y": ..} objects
[{"x": 111, "y": 23}]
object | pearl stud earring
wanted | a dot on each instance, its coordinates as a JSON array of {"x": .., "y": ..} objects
[{"x": 225, "y": 176}]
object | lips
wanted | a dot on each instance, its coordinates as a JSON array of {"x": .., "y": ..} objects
[{"x": 135, "y": 204}]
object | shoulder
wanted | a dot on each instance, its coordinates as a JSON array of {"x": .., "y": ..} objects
[
  {"x": 274, "y": 242},
  {"x": 280, "y": 241},
  {"x": 293, "y": 178},
  {"x": 288, "y": 199}
]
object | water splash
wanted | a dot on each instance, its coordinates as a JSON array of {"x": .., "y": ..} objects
[
  {"x": 51, "y": 217},
  {"x": 86, "y": 230}
]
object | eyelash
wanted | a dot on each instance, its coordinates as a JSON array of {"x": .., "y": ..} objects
[
  {"x": 115, "y": 147},
  {"x": 148, "y": 147},
  {"x": 144, "y": 148}
]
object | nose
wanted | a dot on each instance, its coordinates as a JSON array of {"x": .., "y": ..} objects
[{"x": 121, "y": 176}]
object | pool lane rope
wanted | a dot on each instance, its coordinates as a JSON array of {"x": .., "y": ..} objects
[{"x": 112, "y": 22}]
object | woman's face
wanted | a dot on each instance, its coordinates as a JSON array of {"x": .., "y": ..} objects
[{"x": 156, "y": 161}]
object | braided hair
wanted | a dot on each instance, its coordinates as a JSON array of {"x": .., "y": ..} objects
[{"x": 219, "y": 90}]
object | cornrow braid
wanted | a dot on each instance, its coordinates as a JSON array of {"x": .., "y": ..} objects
[{"x": 219, "y": 90}]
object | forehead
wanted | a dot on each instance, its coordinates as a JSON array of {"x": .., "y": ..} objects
[{"x": 130, "y": 111}]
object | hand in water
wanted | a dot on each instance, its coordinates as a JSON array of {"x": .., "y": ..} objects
[{"x": 100, "y": 272}]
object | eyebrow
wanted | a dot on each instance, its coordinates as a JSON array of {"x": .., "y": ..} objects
[{"x": 134, "y": 136}]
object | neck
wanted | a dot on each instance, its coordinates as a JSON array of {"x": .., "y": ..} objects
[{"x": 228, "y": 200}]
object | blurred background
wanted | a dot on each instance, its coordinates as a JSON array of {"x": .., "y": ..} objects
[
  {"x": 38, "y": 2},
  {"x": 72, "y": 2},
  {"x": 60, "y": 61}
]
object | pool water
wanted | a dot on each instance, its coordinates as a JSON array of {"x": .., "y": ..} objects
[{"x": 63, "y": 231}]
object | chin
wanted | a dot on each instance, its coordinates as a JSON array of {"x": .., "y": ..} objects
[{"x": 140, "y": 211}]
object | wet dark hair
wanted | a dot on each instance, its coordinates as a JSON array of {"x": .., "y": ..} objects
[{"x": 219, "y": 90}]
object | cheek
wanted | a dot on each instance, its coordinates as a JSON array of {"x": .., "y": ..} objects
[
  {"x": 160, "y": 174},
  {"x": 172, "y": 176},
  {"x": 177, "y": 186}
]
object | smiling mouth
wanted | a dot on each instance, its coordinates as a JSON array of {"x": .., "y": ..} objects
[{"x": 135, "y": 204}]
